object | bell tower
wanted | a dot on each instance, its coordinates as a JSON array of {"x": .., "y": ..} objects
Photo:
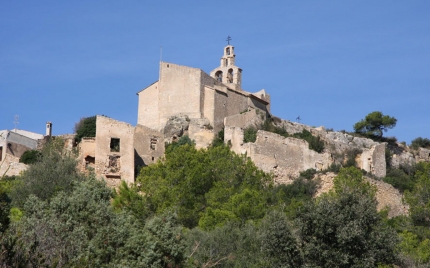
[{"x": 228, "y": 73}]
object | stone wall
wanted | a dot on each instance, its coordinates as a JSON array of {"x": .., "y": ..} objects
[
  {"x": 148, "y": 145},
  {"x": 284, "y": 157},
  {"x": 148, "y": 107},
  {"x": 10, "y": 166},
  {"x": 114, "y": 163}
]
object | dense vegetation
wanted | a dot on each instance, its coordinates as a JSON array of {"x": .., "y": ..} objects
[
  {"x": 204, "y": 208},
  {"x": 86, "y": 127}
]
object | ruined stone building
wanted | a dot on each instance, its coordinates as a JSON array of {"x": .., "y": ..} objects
[
  {"x": 184, "y": 100},
  {"x": 188, "y": 101},
  {"x": 13, "y": 143}
]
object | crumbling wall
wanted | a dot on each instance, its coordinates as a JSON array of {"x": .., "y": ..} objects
[
  {"x": 201, "y": 132},
  {"x": 114, "y": 154},
  {"x": 148, "y": 145},
  {"x": 10, "y": 166},
  {"x": 284, "y": 157},
  {"x": 253, "y": 117},
  {"x": 87, "y": 153}
]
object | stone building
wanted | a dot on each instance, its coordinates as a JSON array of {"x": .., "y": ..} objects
[{"x": 13, "y": 144}]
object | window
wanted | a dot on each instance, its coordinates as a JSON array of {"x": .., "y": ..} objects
[
  {"x": 218, "y": 76},
  {"x": 1, "y": 153},
  {"x": 114, "y": 145},
  {"x": 153, "y": 144},
  {"x": 227, "y": 51}
]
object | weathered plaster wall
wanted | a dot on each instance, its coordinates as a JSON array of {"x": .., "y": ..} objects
[
  {"x": 179, "y": 92},
  {"x": 253, "y": 117},
  {"x": 148, "y": 145},
  {"x": 199, "y": 130},
  {"x": 114, "y": 166},
  {"x": 87, "y": 153},
  {"x": 148, "y": 107},
  {"x": 284, "y": 157}
]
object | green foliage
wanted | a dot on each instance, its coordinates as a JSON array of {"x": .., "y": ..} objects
[
  {"x": 86, "y": 127},
  {"x": 55, "y": 172},
  {"x": 181, "y": 141},
  {"x": 249, "y": 135},
  {"x": 419, "y": 197},
  {"x": 418, "y": 250},
  {"x": 84, "y": 230},
  {"x": 190, "y": 181},
  {"x": 269, "y": 125},
  {"x": 30, "y": 157},
  {"x": 6, "y": 185},
  {"x": 399, "y": 179},
  {"x": 270, "y": 244},
  {"x": 278, "y": 244},
  {"x": 420, "y": 142},
  {"x": 315, "y": 143},
  {"x": 374, "y": 124},
  {"x": 128, "y": 198},
  {"x": 343, "y": 229},
  {"x": 308, "y": 173},
  {"x": 219, "y": 139}
]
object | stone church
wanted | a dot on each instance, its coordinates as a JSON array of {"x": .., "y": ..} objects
[{"x": 184, "y": 101}]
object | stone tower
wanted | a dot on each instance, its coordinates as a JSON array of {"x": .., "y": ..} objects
[{"x": 227, "y": 73}]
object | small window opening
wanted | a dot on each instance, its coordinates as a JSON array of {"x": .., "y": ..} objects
[
  {"x": 227, "y": 51},
  {"x": 168, "y": 66},
  {"x": 153, "y": 144},
  {"x": 230, "y": 76},
  {"x": 225, "y": 62},
  {"x": 218, "y": 76},
  {"x": 1, "y": 153},
  {"x": 153, "y": 158},
  {"x": 114, "y": 145}
]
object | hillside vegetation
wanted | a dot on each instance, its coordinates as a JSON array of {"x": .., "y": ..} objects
[{"x": 205, "y": 208}]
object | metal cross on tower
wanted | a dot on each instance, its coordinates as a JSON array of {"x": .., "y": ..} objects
[
  {"x": 16, "y": 120},
  {"x": 228, "y": 40}
]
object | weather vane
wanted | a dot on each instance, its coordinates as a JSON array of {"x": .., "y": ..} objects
[{"x": 228, "y": 39}]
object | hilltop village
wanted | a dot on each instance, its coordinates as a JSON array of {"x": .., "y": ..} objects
[{"x": 188, "y": 101}]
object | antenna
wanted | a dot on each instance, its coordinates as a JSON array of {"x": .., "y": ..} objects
[{"x": 16, "y": 121}]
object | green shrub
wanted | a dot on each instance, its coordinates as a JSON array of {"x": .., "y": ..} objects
[
  {"x": 308, "y": 173},
  {"x": 86, "y": 127},
  {"x": 219, "y": 138},
  {"x": 30, "y": 157},
  {"x": 315, "y": 143},
  {"x": 420, "y": 142},
  {"x": 249, "y": 135}
]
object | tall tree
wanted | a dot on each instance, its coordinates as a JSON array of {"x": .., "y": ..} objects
[{"x": 375, "y": 123}]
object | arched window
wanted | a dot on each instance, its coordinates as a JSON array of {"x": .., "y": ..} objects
[
  {"x": 230, "y": 76},
  {"x": 218, "y": 76},
  {"x": 225, "y": 62},
  {"x": 227, "y": 51}
]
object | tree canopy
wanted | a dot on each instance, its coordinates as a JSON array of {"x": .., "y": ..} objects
[
  {"x": 86, "y": 127},
  {"x": 374, "y": 124}
]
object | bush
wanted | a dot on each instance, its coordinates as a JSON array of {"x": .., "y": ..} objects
[
  {"x": 86, "y": 127},
  {"x": 249, "y": 135},
  {"x": 308, "y": 173},
  {"x": 30, "y": 157},
  {"x": 315, "y": 143},
  {"x": 420, "y": 142}
]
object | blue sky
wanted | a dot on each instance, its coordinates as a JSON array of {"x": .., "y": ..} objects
[{"x": 329, "y": 62}]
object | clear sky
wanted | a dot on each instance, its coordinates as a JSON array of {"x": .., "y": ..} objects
[{"x": 329, "y": 62}]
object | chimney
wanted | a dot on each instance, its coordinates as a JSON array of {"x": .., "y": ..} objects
[{"x": 48, "y": 129}]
